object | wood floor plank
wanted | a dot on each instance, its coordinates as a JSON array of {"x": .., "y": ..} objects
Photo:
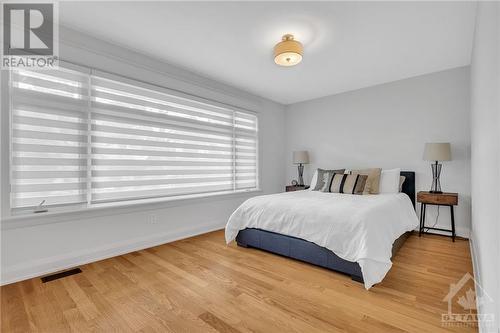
[
  {"x": 201, "y": 284},
  {"x": 14, "y": 314},
  {"x": 217, "y": 323}
]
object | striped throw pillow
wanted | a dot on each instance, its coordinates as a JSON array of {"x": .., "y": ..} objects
[{"x": 349, "y": 184}]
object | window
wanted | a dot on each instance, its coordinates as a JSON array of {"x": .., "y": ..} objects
[{"x": 81, "y": 138}]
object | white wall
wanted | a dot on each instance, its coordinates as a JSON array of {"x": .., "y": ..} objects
[
  {"x": 386, "y": 126},
  {"x": 31, "y": 247},
  {"x": 485, "y": 149}
]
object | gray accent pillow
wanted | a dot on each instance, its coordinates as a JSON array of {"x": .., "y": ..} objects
[{"x": 324, "y": 176}]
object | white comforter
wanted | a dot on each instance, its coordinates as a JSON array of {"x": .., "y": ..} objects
[{"x": 360, "y": 228}]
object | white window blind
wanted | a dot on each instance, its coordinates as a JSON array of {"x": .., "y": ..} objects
[
  {"x": 48, "y": 137},
  {"x": 82, "y": 138}
]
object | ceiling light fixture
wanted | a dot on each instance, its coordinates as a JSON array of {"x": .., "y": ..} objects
[{"x": 288, "y": 52}]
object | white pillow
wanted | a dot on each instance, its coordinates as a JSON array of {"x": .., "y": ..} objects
[
  {"x": 314, "y": 180},
  {"x": 389, "y": 181}
]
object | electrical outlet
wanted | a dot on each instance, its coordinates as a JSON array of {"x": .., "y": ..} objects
[{"x": 153, "y": 218}]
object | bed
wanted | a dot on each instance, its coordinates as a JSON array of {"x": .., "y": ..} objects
[{"x": 377, "y": 227}]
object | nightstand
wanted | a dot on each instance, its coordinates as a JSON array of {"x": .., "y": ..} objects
[
  {"x": 291, "y": 188},
  {"x": 437, "y": 199}
]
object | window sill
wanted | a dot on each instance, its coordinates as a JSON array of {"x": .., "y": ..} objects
[{"x": 114, "y": 208}]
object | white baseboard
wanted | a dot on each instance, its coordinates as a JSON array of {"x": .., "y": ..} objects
[
  {"x": 476, "y": 272},
  {"x": 475, "y": 260},
  {"x": 28, "y": 270}
]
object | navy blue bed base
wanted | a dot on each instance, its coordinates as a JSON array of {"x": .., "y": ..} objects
[
  {"x": 303, "y": 250},
  {"x": 299, "y": 249}
]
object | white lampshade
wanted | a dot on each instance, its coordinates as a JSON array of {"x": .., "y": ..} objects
[
  {"x": 300, "y": 157},
  {"x": 437, "y": 151}
]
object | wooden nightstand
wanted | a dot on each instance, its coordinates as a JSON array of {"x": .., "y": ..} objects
[
  {"x": 291, "y": 188},
  {"x": 437, "y": 199}
]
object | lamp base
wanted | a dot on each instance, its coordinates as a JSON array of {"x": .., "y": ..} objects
[
  {"x": 436, "y": 172},
  {"x": 301, "y": 173},
  {"x": 436, "y": 192}
]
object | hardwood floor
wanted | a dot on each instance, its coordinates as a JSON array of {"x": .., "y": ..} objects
[{"x": 201, "y": 285}]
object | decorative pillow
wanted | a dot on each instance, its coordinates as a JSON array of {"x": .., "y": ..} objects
[
  {"x": 389, "y": 181},
  {"x": 354, "y": 184},
  {"x": 314, "y": 180},
  {"x": 336, "y": 183},
  {"x": 373, "y": 180},
  {"x": 323, "y": 179},
  {"x": 349, "y": 184},
  {"x": 401, "y": 182}
]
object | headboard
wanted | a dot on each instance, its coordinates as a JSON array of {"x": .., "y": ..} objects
[{"x": 409, "y": 185}]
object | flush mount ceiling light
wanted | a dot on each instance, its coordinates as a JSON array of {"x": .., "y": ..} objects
[{"x": 288, "y": 52}]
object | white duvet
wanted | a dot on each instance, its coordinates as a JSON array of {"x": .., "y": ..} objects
[{"x": 359, "y": 228}]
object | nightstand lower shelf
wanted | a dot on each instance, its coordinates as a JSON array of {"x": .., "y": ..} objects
[{"x": 425, "y": 230}]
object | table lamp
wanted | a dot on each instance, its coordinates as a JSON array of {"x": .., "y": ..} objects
[
  {"x": 301, "y": 157},
  {"x": 437, "y": 151}
]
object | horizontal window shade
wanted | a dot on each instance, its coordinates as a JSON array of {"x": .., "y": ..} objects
[
  {"x": 82, "y": 138},
  {"x": 137, "y": 127},
  {"x": 245, "y": 151},
  {"x": 49, "y": 111}
]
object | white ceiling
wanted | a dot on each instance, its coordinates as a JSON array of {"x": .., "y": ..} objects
[{"x": 348, "y": 45}]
